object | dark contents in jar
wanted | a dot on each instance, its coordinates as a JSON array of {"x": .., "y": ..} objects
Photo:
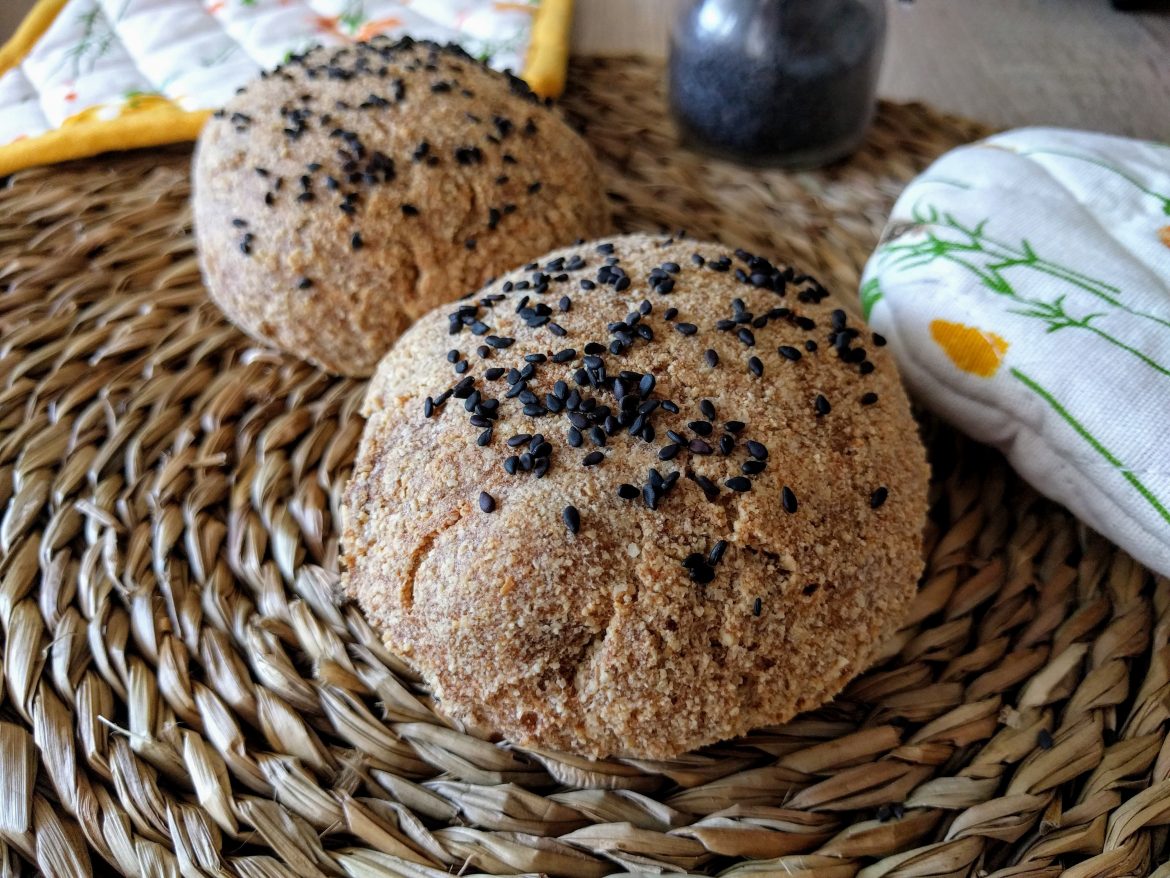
[{"x": 786, "y": 82}]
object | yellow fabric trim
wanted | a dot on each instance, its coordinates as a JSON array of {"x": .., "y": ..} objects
[
  {"x": 43, "y": 13},
  {"x": 545, "y": 66},
  {"x": 547, "y": 60},
  {"x": 89, "y": 137}
]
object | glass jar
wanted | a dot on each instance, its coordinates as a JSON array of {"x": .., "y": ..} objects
[{"x": 776, "y": 82}]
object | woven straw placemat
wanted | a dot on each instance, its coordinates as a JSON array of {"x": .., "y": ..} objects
[{"x": 180, "y": 695}]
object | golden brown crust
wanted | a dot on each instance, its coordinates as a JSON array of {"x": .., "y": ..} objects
[
  {"x": 501, "y": 176},
  {"x": 603, "y": 641}
]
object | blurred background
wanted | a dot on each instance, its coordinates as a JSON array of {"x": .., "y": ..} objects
[{"x": 1079, "y": 63}]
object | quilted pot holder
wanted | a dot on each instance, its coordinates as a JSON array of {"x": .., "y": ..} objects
[
  {"x": 1024, "y": 283},
  {"x": 83, "y": 76}
]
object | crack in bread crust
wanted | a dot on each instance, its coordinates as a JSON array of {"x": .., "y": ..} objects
[{"x": 616, "y": 629}]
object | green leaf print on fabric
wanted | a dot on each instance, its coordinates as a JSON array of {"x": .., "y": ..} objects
[
  {"x": 871, "y": 294},
  {"x": 990, "y": 259},
  {"x": 1164, "y": 200},
  {"x": 352, "y": 16},
  {"x": 1081, "y": 430}
]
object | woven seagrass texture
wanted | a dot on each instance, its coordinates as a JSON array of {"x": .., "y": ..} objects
[{"x": 180, "y": 694}]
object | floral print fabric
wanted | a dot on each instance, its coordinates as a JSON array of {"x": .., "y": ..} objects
[
  {"x": 1024, "y": 284},
  {"x": 106, "y": 59}
]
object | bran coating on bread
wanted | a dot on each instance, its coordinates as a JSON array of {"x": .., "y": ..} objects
[
  {"x": 351, "y": 190},
  {"x": 648, "y": 621}
]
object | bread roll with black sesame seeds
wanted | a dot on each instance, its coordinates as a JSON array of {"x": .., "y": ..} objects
[
  {"x": 351, "y": 190},
  {"x": 735, "y": 556}
]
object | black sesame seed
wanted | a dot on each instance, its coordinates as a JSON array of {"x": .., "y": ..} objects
[
  {"x": 756, "y": 366},
  {"x": 869, "y": 398},
  {"x": 698, "y": 446},
  {"x": 703, "y": 428},
  {"x": 878, "y": 497},
  {"x": 593, "y": 458},
  {"x": 1044, "y": 740},
  {"x": 355, "y": 241},
  {"x": 575, "y": 439},
  {"x": 866, "y": 367},
  {"x": 822, "y": 405},
  {"x": 409, "y": 210},
  {"x": 711, "y": 357},
  {"x": 572, "y": 518},
  {"x": 726, "y": 444},
  {"x": 788, "y": 500},
  {"x": 670, "y": 314},
  {"x": 752, "y": 467},
  {"x": 565, "y": 303},
  {"x": 709, "y": 488},
  {"x": 879, "y": 340},
  {"x": 739, "y": 483},
  {"x": 758, "y": 607},
  {"x": 650, "y": 496},
  {"x": 734, "y": 426},
  {"x": 746, "y": 336},
  {"x": 487, "y": 503},
  {"x": 669, "y": 452},
  {"x": 428, "y": 407},
  {"x": 499, "y": 342},
  {"x": 757, "y": 450},
  {"x": 686, "y": 328},
  {"x": 700, "y": 571},
  {"x": 810, "y": 346},
  {"x": 708, "y": 409},
  {"x": 304, "y": 283},
  {"x": 627, "y": 491},
  {"x": 716, "y": 553},
  {"x": 788, "y": 352}
]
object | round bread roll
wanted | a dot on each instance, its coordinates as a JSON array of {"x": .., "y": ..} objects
[
  {"x": 638, "y": 497},
  {"x": 353, "y": 189}
]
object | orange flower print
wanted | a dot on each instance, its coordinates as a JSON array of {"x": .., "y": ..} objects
[
  {"x": 326, "y": 24},
  {"x": 216, "y": 7},
  {"x": 513, "y": 7},
  {"x": 973, "y": 350},
  {"x": 379, "y": 25},
  {"x": 1164, "y": 235}
]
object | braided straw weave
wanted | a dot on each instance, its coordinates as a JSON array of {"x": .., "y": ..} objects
[{"x": 181, "y": 695}]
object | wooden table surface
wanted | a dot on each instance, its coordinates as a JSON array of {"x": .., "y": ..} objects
[{"x": 1006, "y": 62}]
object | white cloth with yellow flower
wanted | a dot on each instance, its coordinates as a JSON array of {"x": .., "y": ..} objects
[{"x": 1024, "y": 284}]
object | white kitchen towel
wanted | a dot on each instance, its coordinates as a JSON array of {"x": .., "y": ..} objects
[{"x": 1024, "y": 285}]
